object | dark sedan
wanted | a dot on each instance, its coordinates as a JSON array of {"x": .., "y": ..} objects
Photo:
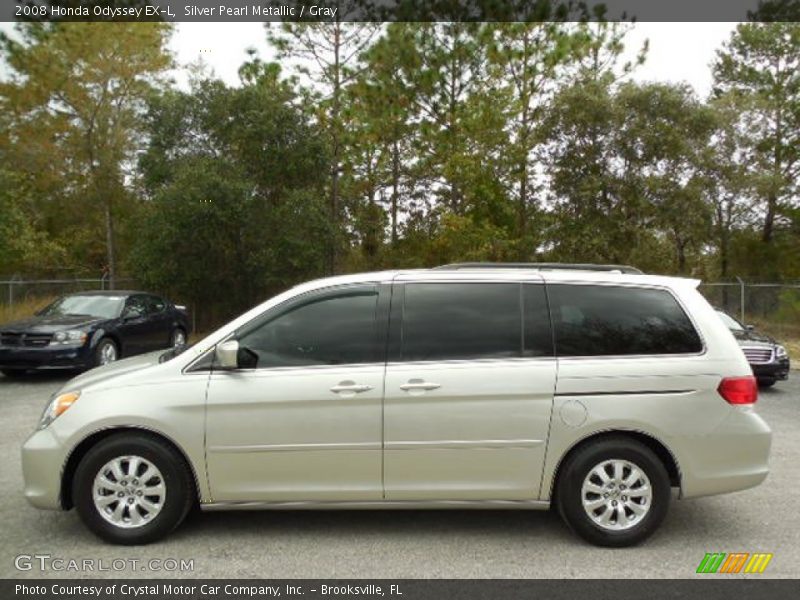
[
  {"x": 768, "y": 359},
  {"x": 88, "y": 329}
]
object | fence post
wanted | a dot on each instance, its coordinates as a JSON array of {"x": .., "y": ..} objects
[
  {"x": 741, "y": 298},
  {"x": 14, "y": 278}
]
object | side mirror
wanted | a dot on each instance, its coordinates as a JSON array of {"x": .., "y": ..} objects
[
  {"x": 750, "y": 327},
  {"x": 226, "y": 355}
]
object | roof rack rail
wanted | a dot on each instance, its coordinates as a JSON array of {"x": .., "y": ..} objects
[{"x": 543, "y": 266}]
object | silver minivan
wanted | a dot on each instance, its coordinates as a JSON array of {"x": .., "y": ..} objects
[{"x": 599, "y": 391}]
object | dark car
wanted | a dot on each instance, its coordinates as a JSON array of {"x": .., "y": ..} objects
[
  {"x": 87, "y": 329},
  {"x": 768, "y": 359}
]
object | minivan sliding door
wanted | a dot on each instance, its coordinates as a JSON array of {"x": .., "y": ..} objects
[{"x": 469, "y": 391}]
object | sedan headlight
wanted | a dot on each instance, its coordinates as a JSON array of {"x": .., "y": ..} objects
[
  {"x": 57, "y": 407},
  {"x": 781, "y": 352},
  {"x": 72, "y": 337}
]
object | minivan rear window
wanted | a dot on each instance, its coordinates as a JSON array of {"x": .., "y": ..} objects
[{"x": 599, "y": 320}]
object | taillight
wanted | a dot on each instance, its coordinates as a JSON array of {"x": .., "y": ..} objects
[{"x": 739, "y": 390}]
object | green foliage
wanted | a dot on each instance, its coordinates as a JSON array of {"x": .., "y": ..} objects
[
  {"x": 403, "y": 145},
  {"x": 758, "y": 71},
  {"x": 74, "y": 99},
  {"x": 236, "y": 207}
]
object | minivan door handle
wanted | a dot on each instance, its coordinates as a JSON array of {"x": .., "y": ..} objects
[
  {"x": 350, "y": 387},
  {"x": 420, "y": 385}
]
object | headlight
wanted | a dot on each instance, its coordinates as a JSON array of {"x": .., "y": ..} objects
[
  {"x": 73, "y": 337},
  {"x": 781, "y": 352},
  {"x": 57, "y": 407}
]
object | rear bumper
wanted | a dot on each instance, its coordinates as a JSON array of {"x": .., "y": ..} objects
[
  {"x": 778, "y": 369},
  {"x": 733, "y": 457},
  {"x": 44, "y": 358}
]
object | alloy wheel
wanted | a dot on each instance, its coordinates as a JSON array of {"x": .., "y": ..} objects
[
  {"x": 616, "y": 494},
  {"x": 129, "y": 491}
]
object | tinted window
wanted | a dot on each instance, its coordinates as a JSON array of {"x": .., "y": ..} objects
[
  {"x": 135, "y": 306},
  {"x": 538, "y": 337},
  {"x": 605, "y": 320},
  {"x": 333, "y": 330},
  {"x": 155, "y": 304},
  {"x": 444, "y": 321}
]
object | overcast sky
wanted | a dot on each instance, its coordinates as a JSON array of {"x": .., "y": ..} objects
[{"x": 678, "y": 51}]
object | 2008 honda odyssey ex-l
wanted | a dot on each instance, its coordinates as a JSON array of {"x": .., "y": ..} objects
[{"x": 597, "y": 391}]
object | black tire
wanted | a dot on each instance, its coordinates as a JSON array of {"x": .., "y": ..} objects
[
  {"x": 767, "y": 382},
  {"x": 13, "y": 373},
  {"x": 578, "y": 466},
  {"x": 177, "y": 479},
  {"x": 174, "y": 334},
  {"x": 98, "y": 351}
]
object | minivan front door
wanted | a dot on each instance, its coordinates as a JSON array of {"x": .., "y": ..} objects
[
  {"x": 303, "y": 422},
  {"x": 469, "y": 391}
]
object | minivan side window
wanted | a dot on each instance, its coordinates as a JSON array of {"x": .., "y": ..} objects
[
  {"x": 598, "y": 320},
  {"x": 462, "y": 321},
  {"x": 332, "y": 330}
]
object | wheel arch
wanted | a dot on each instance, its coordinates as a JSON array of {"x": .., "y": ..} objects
[
  {"x": 90, "y": 441},
  {"x": 659, "y": 448},
  {"x": 102, "y": 334}
]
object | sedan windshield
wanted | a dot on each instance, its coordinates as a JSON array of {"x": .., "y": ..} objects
[
  {"x": 104, "y": 307},
  {"x": 730, "y": 322}
]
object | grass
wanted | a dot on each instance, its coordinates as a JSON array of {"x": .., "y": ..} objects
[
  {"x": 787, "y": 334},
  {"x": 23, "y": 308}
]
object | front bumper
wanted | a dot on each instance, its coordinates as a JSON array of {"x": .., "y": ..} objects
[
  {"x": 777, "y": 369},
  {"x": 42, "y": 463},
  {"x": 47, "y": 357}
]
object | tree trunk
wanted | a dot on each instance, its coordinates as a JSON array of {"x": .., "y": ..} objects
[
  {"x": 395, "y": 188},
  {"x": 723, "y": 267},
  {"x": 769, "y": 219},
  {"x": 772, "y": 197},
  {"x": 110, "y": 250},
  {"x": 333, "y": 260}
]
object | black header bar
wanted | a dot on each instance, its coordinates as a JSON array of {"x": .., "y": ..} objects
[{"x": 400, "y": 10}]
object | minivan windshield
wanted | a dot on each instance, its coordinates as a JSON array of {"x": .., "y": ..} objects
[
  {"x": 730, "y": 322},
  {"x": 104, "y": 307}
]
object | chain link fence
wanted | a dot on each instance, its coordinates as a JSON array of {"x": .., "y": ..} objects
[
  {"x": 774, "y": 303},
  {"x": 777, "y": 303},
  {"x": 18, "y": 290}
]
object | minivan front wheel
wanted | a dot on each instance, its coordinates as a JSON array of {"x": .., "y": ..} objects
[
  {"x": 613, "y": 492},
  {"x": 132, "y": 489}
]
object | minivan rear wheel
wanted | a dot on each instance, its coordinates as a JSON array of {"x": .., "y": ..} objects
[
  {"x": 132, "y": 489},
  {"x": 613, "y": 492}
]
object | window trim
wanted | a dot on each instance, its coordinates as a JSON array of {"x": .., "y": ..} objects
[{"x": 703, "y": 346}]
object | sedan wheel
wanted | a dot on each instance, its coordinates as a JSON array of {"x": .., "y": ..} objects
[
  {"x": 178, "y": 338},
  {"x": 106, "y": 353}
]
